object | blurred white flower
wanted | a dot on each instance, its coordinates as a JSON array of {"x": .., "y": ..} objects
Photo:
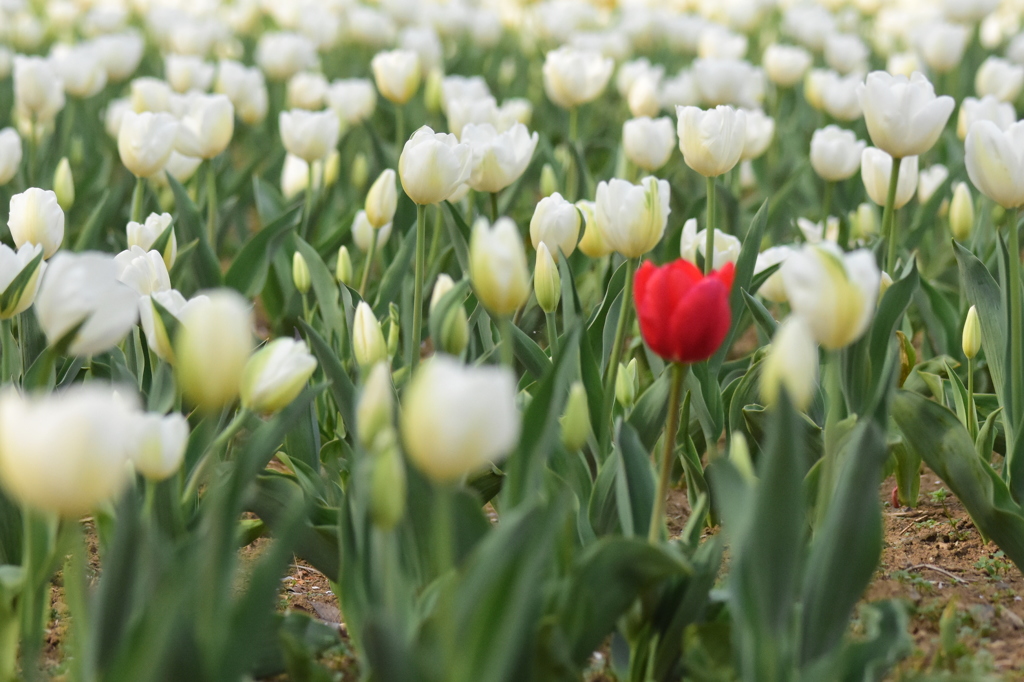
[
  {"x": 648, "y": 143},
  {"x": 876, "y": 170},
  {"x": 999, "y": 78},
  {"x": 499, "y": 159},
  {"x": 573, "y": 77}
]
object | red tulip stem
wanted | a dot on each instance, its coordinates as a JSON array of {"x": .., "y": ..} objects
[
  {"x": 709, "y": 239},
  {"x": 667, "y": 458},
  {"x": 612, "y": 370}
]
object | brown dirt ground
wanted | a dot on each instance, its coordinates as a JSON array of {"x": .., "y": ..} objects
[{"x": 933, "y": 557}]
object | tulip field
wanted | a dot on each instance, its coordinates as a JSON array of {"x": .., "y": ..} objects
[{"x": 511, "y": 340}]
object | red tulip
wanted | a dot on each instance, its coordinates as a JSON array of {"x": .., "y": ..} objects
[{"x": 684, "y": 316}]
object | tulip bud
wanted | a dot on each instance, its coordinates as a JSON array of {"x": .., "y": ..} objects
[
  {"x": 454, "y": 334},
  {"x": 547, "y": 284},
  {"x": 162, "y": 443},
  {"x": 360, "y": 172},
  {"x": 394, "y": 329},
  {"x": 573, "y": 77},
  {"x": 548, "y": 181},
  {"x": 387, "y": 485},
  {"x": 212, "y": 345},
  {"x": 711, "y": 154},
  {"x": 382, "y": 200},
  {"x": 432, "y": 166},
  {"x": 368, "y": 343},
  {"x": 332, "y": 167},
  {"x": 627, "y": 384},
  {"x": 374, "y": 412},
  {"x": 397, "y": 74},
  {"x": 875, "y": 170},
  {"x": 903, "y": 115},
  {"x": 64, "y": 185},
  {"x": 593, "y": 244},
  {"x": 432, "y": 90},
  {"x": 866, "y": 223},
  {"x": 153, "y": 319},
  {"x": 739, "y": 455},
  {"x": 792, "y": 362},
  {"x": 145, "y": 235},
  {"x": 35, "y": 217},
  {"x": 497, "y": 266},
  {"x": 343, "y": 270},
  {"x": 145, "y": 141},
  {"x": 972, "y": 334},
  {"x": 575, "y": 420},
  {"x": 300, "y": 273},
  {"x": 275, "y": 375},
  {"x": 555, "y": 222},
  {"x": 309, "y": 135},
  {"x": 961, "y": 212},
  {"x": 632, "y": 218}
]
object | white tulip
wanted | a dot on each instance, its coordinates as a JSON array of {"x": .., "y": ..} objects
[
  {"x": 187, "y": 73},
  {"x": 834, "y": 292},
  {"x": 144, "y": 271},
  {"x": 457, "y": 87},
  {"x": 728, "y": 81},
  {"x": 83, "y": 289},
  {"x": 353, "y": 99},
  {"x": 151, "y": 94},
  {"x": 987, "y": 108},
  {"x": 433, "y": 165},
  {"x": 995, "y": 162},
  {"x": 38, "y": 90},
  {"x": 904, "y": 117},
  {"x": 456, "y": 420},
  {"x": 791, "y": 364},
  {"x": 66, "y": 452},
  {"x": 817, "y": 232},
  {"x": 211, "y": 347},
  {"x": 726, "y": 246},
  {"x": 839, "y": 96},
  {"x": 162, "y": 441},
  {"x": 679, "y": 91},
  {"x": 760, "y": 133},
  {"x": 363, "y": 232},
  {"x": 246, "y": 88},
  {"x": 10, "y": 154},
  {"x": 846, "y": 53},
  {"x": 382, "y": 199},
  {"x": 632, "y": 71},
  {"x": 999, "y": 78},
  {"x": 716, "y": 41},
  {"x": 512, "y": 111},
  {"x": 929, "y": 180},
  {"x": 206, "y": 128},
  {"x": 773, "y": 289},
  {"x": 632, "y": 218},
  {"x": 275, "y": 375},
  {"x": 573, "y": 77},
  {"x": 152, "y": 323},
  {"x": 306, "y": 90},
  {"x": 12, "y": 263},
  {"x": 120, "y": 53},
  {"x": 712, "y": 141},
  {"x": 281, "y": 55},
  {"x": 497, "y": 266},
  {"x": 555, "y": 222},
  {"x": 903, "y": 64},
  {"x": 35, "y": 217},
  {"x": 311, "y": 136},
  {"x": 144, "y": 235},
  {"x": 942, "y": 45},
  {"x": 785, "y": 65},
  {"x": 876, "y": 170},
  {"x": 462, "y": 112},
  {"x": 835, "y": 153},
  {"x": 145, "y": 141},
  {"x": 648, "y": 142},
  {"x": 397, "y": 74},
  {"x": 643, "y": 98},
  {"x": 968, "y": 10},
  {"x": 499, "y": 159},
  {"x": 80, "y": 69},
  {"x": 425, "y": 43},
  {"x": 368, "y": 344}
]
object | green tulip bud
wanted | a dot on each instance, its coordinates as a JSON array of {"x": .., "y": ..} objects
[
  {"x": 866, "y": 222},
  {"x": 387, "y": 482},
  {"x": 64, "y": 185},
  {"x": 575, "y": 420},
  {"x": 300, "y": 273},
  {"x": 961, "y": 212},
  {"x": 455, "y": 326},
  {"x": 548, "y": 181},
  {"x": 376, "y": 405},
  {"x": 547, "y": 284},
  {"x": 368, "y": 343},
  {"x": 627, "y": 384},
  {"x": 432, "y": 90},
  {"x": 394, "y": 329},
  {"x": 343, "y": 270},
  {"x": 275, "y": 375},
  {"x": 972, "y": 334},
  {"x": 739, "y": 455},
  {"x": 360, "y": 172}
]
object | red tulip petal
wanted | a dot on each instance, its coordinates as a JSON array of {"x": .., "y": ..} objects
[
  {"x": 699, "y": 323},
  {"x": 725, "y": 275},
  {"x": 651, "y": 307},
  {"x": 640, "y": 281}
]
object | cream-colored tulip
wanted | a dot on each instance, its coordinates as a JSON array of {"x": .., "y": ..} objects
[
  {"x": 904, "y": 116},
  {"x": 791, "y": 364},
  {"x": 988, "y": 108},
  {"x": 382, "y": 199},
  {"x": 311, "y": 136},
  {"x": 12, "y": 263},
  {"x": 712, "y": 141},
  {"x": 497, "y": 266},
  {"x": 35, "y": 217},
  {"x": 632, "y": 218},
  {"x": 162, "y": 441},
  {"x": 836, "y": 153},
  {"x": 573, "y": 77},
  {"x": 368, "y": 343},
  {"x": 397, "y": 74},
  {"x": 648, "y": 142},
  {"x": 786, "y": 65},
  {"x": 211, "y": 347},
  {"x": 205, "y": 130},
  {"x": 995, "y": 162},
  {"x": 145, "y": 141},
  {"x": 499, "y": 159},
  {"x": 999, "y": 78},
  {"x": 275, "y": 375},
  {"x": 433, "y": 166},
  {"x": 555, "y": 222},
  {"x": 875, "y": 171}
]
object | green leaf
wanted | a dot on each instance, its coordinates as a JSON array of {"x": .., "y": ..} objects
[
  {"x": 324, "y": 287},
  {"x": 634, "y": 485},
  {"x": 458, "y": 233},
  {"x": 397, "y": 272},
  {"x": 340, "y": 386},
  {"x": 527, "y": 351},
  {"x": 908, "y": 473},
  {"x": 887, "y": 319},
  {"x": 248, "y": 271},
  {"x": 88, "y": 238},
  {"x": 651, "y": 409},
  {"x": 12, "y": 294},
  {"x": 943, "y": 443},
  {"x": 207, "y": 267},
  {"x": 764, "y": 320},
  {"x": 271, "y": 499}
]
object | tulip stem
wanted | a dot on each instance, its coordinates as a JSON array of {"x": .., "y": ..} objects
[
  {"x": 709, "y": 239},
  {"x": 612, "y": 370},
  {"x": 664, "y": 480},
  {"x": 211, "y": 204},
  {"x": 368, "y": 264},
  {"x": 972, "y": 414},
  {"x": 307, "y": 210},
  {"x": 399, "y": 127},
  {"x": 494, "y": 206},
  {"x": 888, "y": 218},
  {"x": 33, "y": 604},
  {"x": 1016, "y": 342},
  {"x": 835, "y": 408},
  {"x": 219, "y": 444},
  {"x": 552, "y": 334},
  {"x": 574, "y": 116},
  {"x": 508, "y": 356},
  {"x": 417, "y": 292},
  {"x": 137, "y": 196},
  {"x": 826, "y": 204}
]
